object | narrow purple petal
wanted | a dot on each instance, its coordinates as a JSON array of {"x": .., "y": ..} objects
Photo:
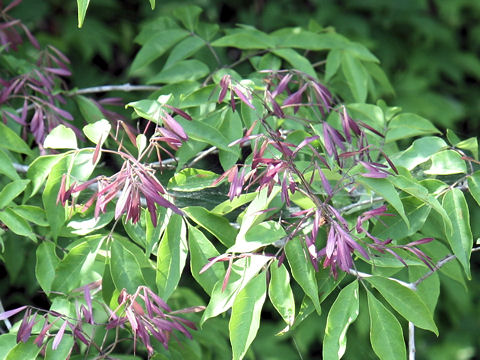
[
  {"x": 242, "y": 97},
  {"x": 9, "y": 313},
  {"x": 58, "y": 337},
  {"x": 282, "y": 85}
]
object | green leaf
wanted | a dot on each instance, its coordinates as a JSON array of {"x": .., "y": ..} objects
[
  {"x": 437, "y": 251},
  {"x": 190, "y": 179},
  {"x": 471, "y": 145},
  {"x": 228, "y": 206},
  {"x": 327, "y": 283},
  {"x": 393, "y": 227},
  {"x": 245, "y": 319},
  {"x": 7, "y": 342},
  {"x": 125, "y": 269},
  {"x": 6, "y": 166},
  {"x": 419, "y": 152},
  {"x": 56, "y": 214},
  {"x": 16, "y": 224},
  {"x": 141, "y": 141},
  {"x": 39, "y": 170},
  {"x": 47, "y": 261},
  {"x": 386, "y": 333},
  {"x": 254, "y": 213},
  {"x": 82, "y": 11},
  {"x": 356, "y": 77},
  {"x": 11, "y": 191},
  {"x": 201, "y": 250},
  {"x": 405, "y": 301},
  {"x": 306, "y": 40},
  {"x": 11, "y": 141},
  {"x": 408, "y": 125},
  {"x": 258, "y": 236},
  {"x": 61, "y": 137},
  {"x": 302, "y": 270},
  {"x": 97, "y": 131},
  {"x": 74, "y": 269},
  {"x": 461, "y": 238},
  {"x": 280, "y": 292},
  {"x": 184, "y": 49},
  {"x": 297, "y": 61},
  {"x": 232, "y": 128},
  {"x": 243, "y": 270},
  {"x": 88, "y": 109},
  {"x": 474, "y": 185},
  {"x": 62, "y": 351},
  {"x": 171, "y": 256},
  {"x": 343, "y": 312},
  {"x": 31, "y": 213},
  {"x": 200, "y": 131},
  {"x": 447, "y": 162},
  {"x": 334, "y": 59},
  {"x": 429, "y": 288},
  {"x": 215, "y": 224},
  {"x": 246, "y": 40},
  {"x": 156, "y": 46},
  {"x": 153, "y": 233},
  {"x": 152, "y": 4},
  {"x": 386, "y": 190},
  {"x": 79, "y": 166},
  {"x": 415, "y": 189},
  {"x": 183, "y": 70},
  {"x": 188, "y": 15},
  {"x": 452, "y": 137},
  {"x": 370, "y": 114},
  {"x": 21, "y": 351}
]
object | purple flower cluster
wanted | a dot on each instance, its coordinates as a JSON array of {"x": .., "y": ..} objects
[
  {"x": 286, "y": 90},
  {"x": 134, "y": 183},
  {"x": 151, "y": 317},
  {"x": 155, "y": 318}
]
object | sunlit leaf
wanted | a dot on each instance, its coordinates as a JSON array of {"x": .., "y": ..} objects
[
  {"x": 245, "y": 319},
  {"x": 201, "y": 250},
  {"x": 171, "y": 256},
  {"x": 125, "y": 269},
  {"x": 47, "y": 261},
  {"x": 280, "y": 292},
  {"x": 343, "y": 312},
  {"x": 243, "y": 270},
  {"x": 386, "y": 333},
  {"x": 302, "y": 270},
  {"x": 405, "y": 301},
  {"x": 61, "y": 137},
  {"x": 82, "y": 11},
  {"x": 461, "y": 238}
]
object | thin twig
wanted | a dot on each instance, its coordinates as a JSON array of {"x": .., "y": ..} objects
[
  {"x": 360, "y": 203},
  {"x": 105, "y": 88},
  {"x": 201, "y": 155},
  {"x": 438, "y": 265},
  {"x": 365, "y": 275},
  {"x": 411, "y": 341}
]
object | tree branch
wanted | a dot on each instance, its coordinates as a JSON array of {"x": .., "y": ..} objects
[
  {"x": 105, "y": 88},
  {"x": 411, "y": 341},
  {"x": 438, "y": 265}
]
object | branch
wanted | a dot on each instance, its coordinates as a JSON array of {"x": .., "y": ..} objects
[
  {"x": 105, "y": 88},
  {"x": 365, "y": 275},
  {"x": 359, "y": 204},
  {"x": 411, "y": 341},
  {"x": 438, "y": 265}
]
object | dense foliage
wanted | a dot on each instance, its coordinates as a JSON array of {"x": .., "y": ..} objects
[{"x": 251, "y": 165}]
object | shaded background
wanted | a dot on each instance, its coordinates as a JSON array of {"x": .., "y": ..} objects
[{"x": 429, "y": 50}]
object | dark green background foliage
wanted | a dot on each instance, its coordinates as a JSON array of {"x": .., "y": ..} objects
[{"x": 429, "y": 51}]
